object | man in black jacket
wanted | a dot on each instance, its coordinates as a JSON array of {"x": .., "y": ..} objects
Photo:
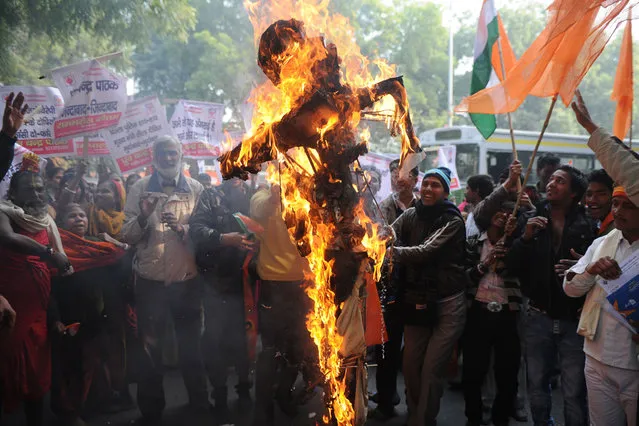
[
  {"x": 221, "y": 249},
  {"x": 548, "y": 246}
]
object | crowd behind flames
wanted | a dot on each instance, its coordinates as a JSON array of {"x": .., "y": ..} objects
[{"x": 105, "y": 285}]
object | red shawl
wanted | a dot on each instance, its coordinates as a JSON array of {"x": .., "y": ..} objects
[{"x": 84, "y": 254}]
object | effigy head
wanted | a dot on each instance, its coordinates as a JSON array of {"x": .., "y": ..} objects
[{"x": 274, "y": 46}]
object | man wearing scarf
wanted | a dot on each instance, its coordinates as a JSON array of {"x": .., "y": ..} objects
[
  {"x": 598, "y": 200},
  {"x": 157, "y": 214},
  {"x": 432, "y": 292},
  {"x": 31, "y": 245}
]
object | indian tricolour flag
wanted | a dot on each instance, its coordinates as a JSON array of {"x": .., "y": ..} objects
[{"x": 487, "y": 66}]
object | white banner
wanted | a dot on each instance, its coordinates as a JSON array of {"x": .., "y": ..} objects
[
  {"x": 198, "y": 125},
  {"x": 36, "y": 133},
  {"x": 94, "y": 97},
  {"x": 446, "y": 157},
  {"x": 131, "y": 141}
]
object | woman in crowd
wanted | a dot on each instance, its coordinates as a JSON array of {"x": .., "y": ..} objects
[
  {"x": 80, "y": 312},
  {"x": 432, "y": 292},
  {"x": 106, "y": 213}
]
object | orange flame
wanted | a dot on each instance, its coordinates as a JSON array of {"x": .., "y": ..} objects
[{"x": 301, "y": 164}]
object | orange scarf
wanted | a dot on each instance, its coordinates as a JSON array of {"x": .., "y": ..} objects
[
  {"x": 603, "y": 229},
  {"x": 100, "y": 221},
  {"x": 84, "y": 254}
]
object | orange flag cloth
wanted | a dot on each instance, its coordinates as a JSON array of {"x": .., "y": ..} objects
[
  {"x": 508, "y": 54},
  {"x": 623, "y": 90},
  {"x": 557, "y": 60}
]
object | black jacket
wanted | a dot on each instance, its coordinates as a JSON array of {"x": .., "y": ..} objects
[
  {"x": 212, "y": 217},
  {"x": 433, "y": 256},
  {"x": 537, "y": 274},
  {"x": 7, "y": 145}
]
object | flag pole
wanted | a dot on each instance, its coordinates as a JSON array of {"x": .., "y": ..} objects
[
  {"x": 630, "y": 130},
  {"x": 510, "y": 118},
  {"x": 534, "y": 153}
]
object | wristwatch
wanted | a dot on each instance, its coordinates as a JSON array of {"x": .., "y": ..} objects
[{"x": 48, "y": 253}]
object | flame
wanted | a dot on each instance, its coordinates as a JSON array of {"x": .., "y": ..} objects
[{"x": 296, "y": 168}]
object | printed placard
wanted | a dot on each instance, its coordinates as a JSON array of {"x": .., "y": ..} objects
[{"x": 198, "y": 125}]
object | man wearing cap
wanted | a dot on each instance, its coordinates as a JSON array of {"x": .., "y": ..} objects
[
  {"x": 612, "y": 368},
  {"x": 432, "y": 293}
]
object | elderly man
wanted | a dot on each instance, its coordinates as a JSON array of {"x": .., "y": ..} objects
[
  {"x": 30, "y": 247},
  {"x": 157, "y": 214},
  {"x": 612, "y": 368}
]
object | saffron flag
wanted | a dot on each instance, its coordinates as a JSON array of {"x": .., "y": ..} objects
[
  {"x": 487, "y": 66},
  {"x": 623, "y": 89},
  {"x": 557, "y": 60}
]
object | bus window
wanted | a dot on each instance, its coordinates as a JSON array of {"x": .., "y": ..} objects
[{"x": 467, "y": 160}]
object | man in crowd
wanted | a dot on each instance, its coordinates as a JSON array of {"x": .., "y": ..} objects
[
  {"x": 598, "y": 200},
  {"x": 612, "y": 367},
  {"x": 54, "y": 176},
  {"x": 549, "y": 242},
  {"x": 221, "y": 250},
  {"x": 432, "y": 252},
  {"x": 283, "y": 307},
  {"x": 157, "y": 213},
  {"x": 389, "y": 356},
  {"x": 478, "y": 187},
  {"x": 546, "y": 166}
]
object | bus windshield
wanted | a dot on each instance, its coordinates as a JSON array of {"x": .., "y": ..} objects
[{"x": 467, "y": 160}]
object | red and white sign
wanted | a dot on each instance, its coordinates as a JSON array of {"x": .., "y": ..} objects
[
  {"x": 131, "y": 141},
  {"x": 446, "y": 157},
  {"x": 198, "y": 125},
  {"x": 36, "y": 133},
  {"x": 94, "y": 99}
]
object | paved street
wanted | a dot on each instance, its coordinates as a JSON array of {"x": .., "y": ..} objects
[{"x": 176, "y": 414}]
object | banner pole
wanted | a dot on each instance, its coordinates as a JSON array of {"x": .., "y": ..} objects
[
  {"x": 85, "y": 147},
  {"x": 510, "y": 118}
]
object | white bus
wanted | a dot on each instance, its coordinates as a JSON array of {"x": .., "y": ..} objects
[{"x": 476, "y": 155}]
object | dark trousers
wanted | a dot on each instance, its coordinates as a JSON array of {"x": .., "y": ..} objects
[
  {"x": 389, "y": 356},
  {"x": 224, "y": 341},
  {"x": 286, "y": 344},
  {"x": 156, "y": 303},
  {"x": 485, "y": 332}
]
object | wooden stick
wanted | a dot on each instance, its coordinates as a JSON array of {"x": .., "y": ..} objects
[
  {"x": 510, "y": 118},
  {"x": 630, "y": 130},
  {"x": 85, "y": 147},
  {"x": 534, "y": 153}
]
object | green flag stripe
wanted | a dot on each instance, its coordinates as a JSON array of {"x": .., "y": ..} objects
[
  {"x": 485, "y": 123},
  {"x": 482, "y": 68}
]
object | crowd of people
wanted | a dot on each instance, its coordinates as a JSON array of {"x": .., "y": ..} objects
[{"x": 97, "y": 282}]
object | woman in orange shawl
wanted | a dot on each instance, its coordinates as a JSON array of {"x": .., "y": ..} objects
[
  {"x": 81, "y": 312},
  {"x": 106, "y": 213}
]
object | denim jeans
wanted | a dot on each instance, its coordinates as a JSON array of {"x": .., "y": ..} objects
[{"x": 545, "y": 338}]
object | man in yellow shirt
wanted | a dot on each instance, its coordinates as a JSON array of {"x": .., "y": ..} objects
[{"x": 283, "y": 306}]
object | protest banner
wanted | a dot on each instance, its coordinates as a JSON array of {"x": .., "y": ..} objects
[
  {"x": 16, "y": 163},
  {"x": 94, "y": 98},
  {"x": 379, "y": 163},
  {"x": 198, "y": 125},
  {"x": 130, "y": 142},
  {"x": 446, "y": 157},
  {"x": 36, "y": 133},
  {"x": 97, "y": 146}
]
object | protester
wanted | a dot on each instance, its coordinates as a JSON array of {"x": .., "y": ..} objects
[
  {"x": 30, "y": 247},
  {"x": 283, "y": 305},
  {"x": 550, "y": 240},
  {"x": 432, "y": 294},
  {"x": 403, "y": 196},
  {"x": 52, "y": 183},
  {"x": 106, "y": 213},
  {"x": 492, "y": 323},
  {"x": 612, "y": 367},
  {"x": 157, "y": 213},
  {"x": 546, "y": 166},
  {"x": 221, "y": 254},
  {"x": 83, "y": 300},
  {"x": 598, "y": 200},
  {"x": 388, "y": 357},
  {"x": 478, "y": 187},
  {"x": 619, "y": 161}
]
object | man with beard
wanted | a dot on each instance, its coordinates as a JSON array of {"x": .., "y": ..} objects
[
  {"x": 30, "y": 246},
  {"x": 222, "y": 252},
  {"x": 157, "y": 212}
]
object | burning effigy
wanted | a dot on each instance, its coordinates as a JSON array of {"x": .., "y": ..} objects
[{"x": 306, "y": 121}]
